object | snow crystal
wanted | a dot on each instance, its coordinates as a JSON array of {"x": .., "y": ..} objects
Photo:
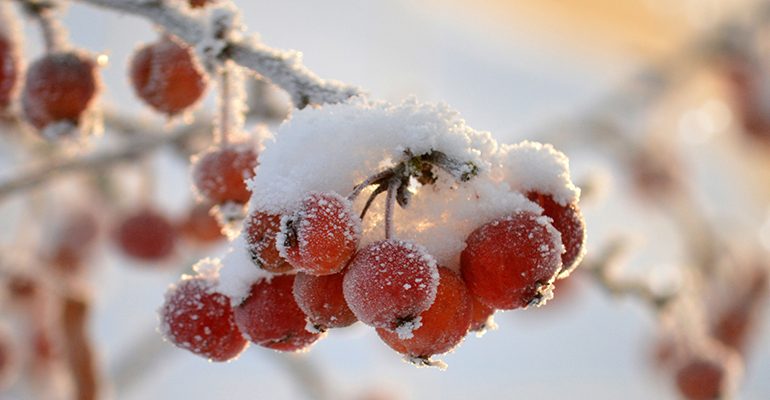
[
  {"x": 239, "y": 272},
  {"x": 406, "y": 329},
  {"x": 531, "y": 166}
]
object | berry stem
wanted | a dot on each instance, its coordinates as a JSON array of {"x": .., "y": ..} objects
[
  {"x": 380, "y": 188},
  {"x": 393, "y": 186},
  {"x": 54, "y": 34},
  {"x": 378, "y": 177}
]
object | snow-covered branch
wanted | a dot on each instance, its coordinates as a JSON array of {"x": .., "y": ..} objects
[{"x": 284, "y": 69}]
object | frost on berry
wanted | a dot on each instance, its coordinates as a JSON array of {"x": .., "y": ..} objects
[
  {"x": 260, "y": 230},
  {"x": 9, "y": 61},
  {"x": 511, "y": 262},
  {"x": 59, "y": 88},
  {"x": 219, "y": 174},
  {"x": 322, "y": 235},
  {"x": 322, "y": 300},
  {"x": 166, "y": 76},
  {"x": 146, "y": 235},
  {"x": 270, "y": 317},
  {"x": 199, "y": 226},
  {"x": 442, "y": 326},
  {"x": 389, "y": 283},
  {"x": 568, "y": 220},
  {"x": 197, "y": 318}
]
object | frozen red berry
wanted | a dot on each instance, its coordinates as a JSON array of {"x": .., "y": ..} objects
[
  {"x": 200, "y": 226},
  {"x": 260, "y": 230},
  {"x": 59, "y": 87},
  {"x": 441, "y": 327},
  {"x": 481, "y": 318},
  {"x": 568, "y": 220},
  {"x": 9, "y": 69},
  {"x": 166, "y": 76},
  {"x": 322, "y": 236},
  {"x": 220, "y": 173},
  {"x": 702, "y": 379},
  {"x": 322, "y": 300},
  {"x": 390, "y": 282},
  {"x": 270, "y": 317},
  {"x": 197, "y": 318},
  {"x": 146, "y": 235},
  {"x": 511, "y": 262}
]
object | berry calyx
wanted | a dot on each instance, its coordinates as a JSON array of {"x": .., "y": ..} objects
[
  {"x": 322, "y": 300},
  {"x": 511, "y": 262},
  {"x": 58, "y": 88},
  {"x": 390, "y": 282},
  {"x": 197, "y": 318},
  {"x": 146, "y": 235},
  {"x": 270, "y": 317},
  {"x": 200, "y": 226},
  {"x": 442, "y": 326},
  {"x": 166, "y": 76},
  {"x": 568, "y": 220},
  {"x": 220, "y": 174},
  {"x": 322, "y": 235},
  {"x": 260, "y": 230}
]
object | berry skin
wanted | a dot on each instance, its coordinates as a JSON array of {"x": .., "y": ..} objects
[
  {"x": 322, "y": 236},
  {"x": 260, "y": 230},
  {"x": 199, "y": 226},
  {"x": 511, "y": 262},
  {"x": 321, "y": 299},
  {"x": 59, "y": 87},
  {"x": 9, "y": 70},
  {"x": 196, "y": 318},
  {"x": 481, "y": 316},
  {"x": 568, "y": 220},
  {"x": 443, "y": 325},
  {"x": 701, "y": 379},
  {"x": 271, "y": 318},
  {"x": 390, "y": 282},
  {"x": 220, "y": 174},
  {"x": 166, "y": 76},
  {"x": 146, "y": 235}
]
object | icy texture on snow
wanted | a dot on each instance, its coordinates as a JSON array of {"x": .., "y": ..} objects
[{"x": 531, "y": 166}]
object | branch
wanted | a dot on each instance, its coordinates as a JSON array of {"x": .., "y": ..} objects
[{"x": 283, "y": 69}]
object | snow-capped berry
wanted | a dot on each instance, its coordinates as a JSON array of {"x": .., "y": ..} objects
[
  {"x": 260, "y": 230},
  {"x": 146, "y": 235},
  {"x": 166, "y": 76},
  {"x": 200, "y": 226},
  {"x": 220, "y": 173},
  {"x": 271, "y": 318},
  {"x": 390, "y": 282},
  {"x": 197, "y": 318},
  {"x": 702, "y": 379},
  {"x": 9, "y": 68},
  {"x": 511, "y": 262},
  {"x": 321, "y": 299},
  {"x": 481, "y": 318},
  {"x": 568, "y": 220},
  {"x": 442, "y": 326},
  {"x": 322, "y": 236},
  {"x": 59, "y": 87}
]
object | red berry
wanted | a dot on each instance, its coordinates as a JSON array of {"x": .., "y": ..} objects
[
  {"x": 442, "y": 326},
  {"x": 390, "y": 282},
  {"x": 321, "y": 299},
  {"x": 481, "y": 317},
  {"x": 220, "y": 174},
  {"x": 166, "y": 76},
  {"x": 9, "y": 69},
  {"x": 197, "y": 318},
  {"x": 199, "y": 226},
  {"x": 59, "y": 87},
  {"x": 72, "y": 241},
  {"x": 701, "y": 379},
  {"x": 8, "y": 359},
  {"x": 271, "y": 318},
  {"x": 322, "y": 236},
  {"x": 198, "y": 3},
  {"x": 511, "y": 262},
  {"x": 260, "y": 230},
  {"x": 146, "y": 235},
  {"x": 568, "y": 220}
]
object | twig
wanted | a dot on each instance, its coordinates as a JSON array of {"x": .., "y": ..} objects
[{"x": 78, "y": 345}]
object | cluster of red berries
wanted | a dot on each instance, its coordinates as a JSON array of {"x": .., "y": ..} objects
[{"x": 320, "y": 277}]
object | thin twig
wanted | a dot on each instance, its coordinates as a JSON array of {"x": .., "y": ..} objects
[{"x": 390, "y": 205}]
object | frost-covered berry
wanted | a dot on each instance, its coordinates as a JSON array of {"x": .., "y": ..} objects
[
  {"x": 322, "y": 300},
  {"x": 511, "y": 262},
  {"x": 390, "y": 282},
  {"x": 441, "y": 327},
  {"x": 197, "y": 318},
  {"x": 481, "y": 318},
  {"x": 270, "y": 317},
  {"x": 200, "y": 226},
  {"x": 146, "y": 235},
  {"x": 702, "y": 379},
  {"x": 166, "y": 76},
  {"x": 568, "y": 220},
  {"x": 260, "y": 230},
  {"x": 322, "y": 236},
  {"x": 220, "y": 173},
  {"x": 9, "y": 69},
  {"x": 59, "y": 87}
]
